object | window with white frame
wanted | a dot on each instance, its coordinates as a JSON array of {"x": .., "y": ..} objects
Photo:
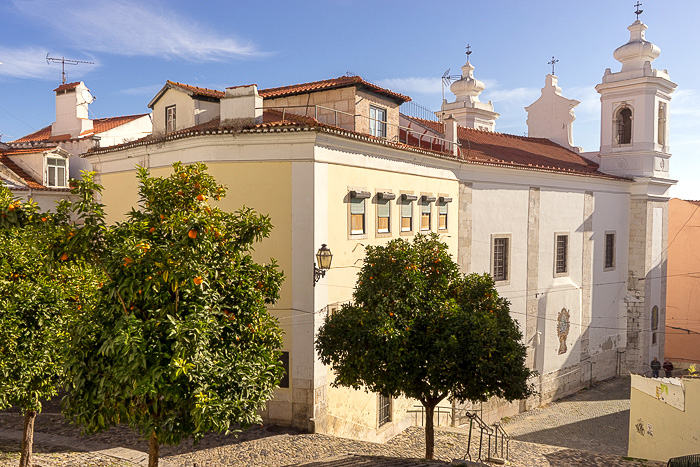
[
  {"x": 561, "y": 251},
  {"x": 56, "y": 174},
  {"x": 500, "y": 258},
  {"x": 383, "y": 214},
  {"x": 609, "y": 250},
  {"x": 358, "y": 220},
  {"x": 377, "y": 121},
  {"x": 170, "y": 121}
]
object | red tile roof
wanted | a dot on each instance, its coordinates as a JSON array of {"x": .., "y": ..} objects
[
  {"x": 100, "y": 125},
  {"x": 503, "y": 149},
  {"x": 18, "y": 171},
  {"x": 67, "y": 86},
  {"x": 197, "y": 91},
  {"x": 340, "y": 82}
]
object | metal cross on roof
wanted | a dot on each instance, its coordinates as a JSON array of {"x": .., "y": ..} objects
[
  {"x": 638, "y": 11},
  {"x": 469, "y": 51},
  {"x": 553, "y": 62}
]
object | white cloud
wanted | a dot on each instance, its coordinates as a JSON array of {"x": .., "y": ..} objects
[
  {"x": 126, "y": 27},
  {"x": 29, "y": 62},
  {"x": 149, "y": 90},
  {"x": 412, "y": 85}
]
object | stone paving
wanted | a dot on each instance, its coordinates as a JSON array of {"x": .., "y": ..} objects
[{"x": 58, "y": 444}]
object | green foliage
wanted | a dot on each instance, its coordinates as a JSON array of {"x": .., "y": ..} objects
[
  {"x": 181, "y": 342},
  {"x": 39, "y": 302},
  {"x": 420, "y": 329}
]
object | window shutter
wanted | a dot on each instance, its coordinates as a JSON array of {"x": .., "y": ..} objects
[
  {"x": 406, "y": 209},
  {"x": 383, "y": 209},
  {"x": 357, "y": 206}
]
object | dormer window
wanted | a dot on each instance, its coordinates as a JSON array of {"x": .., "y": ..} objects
[
  {"x": 377, "y": 121},
  {"x": 170, "y": 119},
  {"x": 56, "y": 172},
  {"x": 624, "y": 126}
]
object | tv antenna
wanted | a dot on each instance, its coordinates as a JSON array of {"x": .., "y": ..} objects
[
  {"x": 447, "y": 79},
  {"x": 64, "y": 61}
]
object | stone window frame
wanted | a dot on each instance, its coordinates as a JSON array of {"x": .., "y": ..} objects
[
  {"x": 565, "y": 271},
  {"x": 654, "y": 324},
  {"x": 349, "y": 197},
  {"x": 381, "y": 197},
  {"x": 509, "y": 244},
  {"x": 171, "y": 109},
  {"x": 401, "y": 201},
  {"x": 443, "y": 200},
  {"x": 661, "y": 123},
  {"x": 426, "y": 199},
  {"x": 385, "y": 406},
  {"x": 616, "y": 125},
  {"x": 613, "y": 253}
]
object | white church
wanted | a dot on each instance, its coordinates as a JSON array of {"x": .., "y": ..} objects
[{"x": 576, "y": 241}]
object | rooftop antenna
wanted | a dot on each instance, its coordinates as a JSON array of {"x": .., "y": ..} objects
[
  {"x": 64, "y": 61},
  {"x": 553, "y": 62},
  {"x": 638, "y": 11}
]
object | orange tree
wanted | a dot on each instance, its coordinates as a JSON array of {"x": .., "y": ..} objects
[
  {"x": 418, "y": 328},
  {"x": 40, "y": 301},
  {"x": 181, "y": 342}
]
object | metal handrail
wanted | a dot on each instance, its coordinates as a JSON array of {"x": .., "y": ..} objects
[
  {"x": 421, "y": 136},
  {"x": 685, "y": 461}
]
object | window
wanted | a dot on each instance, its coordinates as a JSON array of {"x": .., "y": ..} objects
[
  {"x": 500, "y": 258},
  {"x": 384, "y": 410},
  {"x": 384, "y": 211},
  {"x": 654, "y": 323},
  {"x": 377, "y": 121},
  {"x": 425, "y": 209},
  {"x": 56, "y": 171},
  {"x": 661, "y": 137},
  {"x": 284, "y": 359},
  {"x": 624, "y": 126},
  {"x": 609, "y": 250},
  {"x": 561, "y": 250},
  {"x": 407, "y": 212},
  {"x": 170, "y": 119},
  {"x": 357, "y": 212},
  {"x": 442, "y": 212}
]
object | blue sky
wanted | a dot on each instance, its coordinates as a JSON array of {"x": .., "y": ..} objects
[{"x": 403, "y": 45}]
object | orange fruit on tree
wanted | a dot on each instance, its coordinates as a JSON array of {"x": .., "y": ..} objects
[
  {"x": 201, "y": 198},
  {"x": 152, "y": 229},
  {"x": 198, "y": 280},
  {"x": 64, "y": 256},
  {"x": 192, "y": 233}
]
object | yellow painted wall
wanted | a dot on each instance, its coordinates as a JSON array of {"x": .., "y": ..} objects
[
  {"x": 354, "y": 413},
  {"x": 659, "y": 431}
]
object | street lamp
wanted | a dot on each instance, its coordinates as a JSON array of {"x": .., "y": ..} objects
[{"x": 323, "y": 258}]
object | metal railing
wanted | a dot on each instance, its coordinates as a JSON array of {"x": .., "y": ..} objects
[
  {"x": 685, "y": 461},
  {"x": 419, "y": 138},
  {"x": 413, "y": 109},
  {"x": 497, "y": 440}
]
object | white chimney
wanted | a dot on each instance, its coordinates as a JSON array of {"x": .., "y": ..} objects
[
  {"x": 72, "y": 100},
  {"x": 451, "y": 133},
  {"x": 242, "y": 105}
]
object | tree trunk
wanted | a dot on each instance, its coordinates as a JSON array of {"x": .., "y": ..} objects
[
  {"x": 25, "y": 459},
  {"x": 429, "y": 430},
  {"x": 153, "y": 449}
]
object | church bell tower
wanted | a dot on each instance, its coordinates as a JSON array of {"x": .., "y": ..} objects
[{"x": 635, "y": 106}]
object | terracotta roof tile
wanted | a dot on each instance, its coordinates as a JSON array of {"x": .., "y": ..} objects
[
  {"x": 99, "y": 125},
  {"x": 67, "y": 86},
  {"x": 340, "y": 82},
  {"x": 197, "y": 91},
  {"x": 500, "y": 148}
]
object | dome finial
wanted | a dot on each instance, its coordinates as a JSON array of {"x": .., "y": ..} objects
[
  {"x": 552, "y": 62},
  {"x": 638, "y": 11}
]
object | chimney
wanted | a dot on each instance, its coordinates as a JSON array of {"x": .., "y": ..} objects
[
  {"x": 242, "y": 105},
  {"x": 72, "y": 100},
  {"x": 451, "y": 133}
]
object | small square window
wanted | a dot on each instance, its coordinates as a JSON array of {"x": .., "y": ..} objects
[
  {"x": 377, "y": 121},
  {"x": 384, "y": 410},
  {"x": 562, "y": 251},
  {"x": 170, "y": 122},
  {"x": 609, "y": 250},
  {"x": 56, "y": 175},
  {"x": 500, "y": 258},
  {"x": 284, "y": 359}
]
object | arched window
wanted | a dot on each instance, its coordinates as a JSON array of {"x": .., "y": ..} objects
[
  {"x": 662, "y": 124},
  {"x": 624, "y": 126}
]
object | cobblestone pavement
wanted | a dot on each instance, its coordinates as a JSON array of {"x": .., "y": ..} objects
[
  {"x": 595, "y": 419},
  {"x": 59, "y": 444}
]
